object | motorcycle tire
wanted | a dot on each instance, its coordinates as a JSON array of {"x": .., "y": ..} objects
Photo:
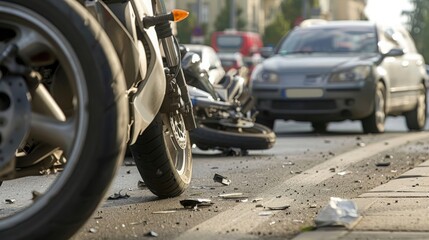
[
  {"x": 163, "y": 156},
  {"x": 258, "y": 137},
  {"x": 98, "y": 140}
]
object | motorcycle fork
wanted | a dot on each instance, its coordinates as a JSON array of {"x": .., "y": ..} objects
[{"x": 175, "y": 99}]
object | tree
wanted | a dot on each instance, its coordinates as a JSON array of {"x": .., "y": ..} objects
[
  {"x": 290, "y": 13},
  {"x": 419, "y": 26},
  {"x": 275, "y": 30},
  {"x": 184, "y": 29},
  {"x": 223, "y": 18}
]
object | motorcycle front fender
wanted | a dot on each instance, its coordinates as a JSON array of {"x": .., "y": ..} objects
[{"x": 151, "y": 91}]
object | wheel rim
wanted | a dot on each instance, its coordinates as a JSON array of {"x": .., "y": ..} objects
[
  {"x": 34, "y": 36},
  {"x": 176, "y": 139},
  {"x": 380, "y": 114}
]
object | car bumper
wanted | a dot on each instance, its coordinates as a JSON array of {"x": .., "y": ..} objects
[{"x": 332, "y": 103}]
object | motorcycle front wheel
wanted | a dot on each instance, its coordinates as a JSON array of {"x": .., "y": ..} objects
[
  {"x": 82, "y": 79},
  {"x": 163, "y": 155}
]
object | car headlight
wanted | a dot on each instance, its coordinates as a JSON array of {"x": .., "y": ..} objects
[
  {"x": 264, "y": 76},
  {"x": 354, "y": 74}
]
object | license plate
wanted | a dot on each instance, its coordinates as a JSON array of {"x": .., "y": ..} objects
[{"x": 304, "y": 93}]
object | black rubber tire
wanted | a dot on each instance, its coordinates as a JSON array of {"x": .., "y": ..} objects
[
  {"x": 319, "y": 127},
  {"x": 374, "y": 123},
  {"x": 258, "y": 137},
  {"x": 60, "y": 212},
  {"x": 152, "y": 156},
  {"x": 416, "y": 118}
]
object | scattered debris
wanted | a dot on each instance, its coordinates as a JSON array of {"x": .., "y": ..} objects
[
  {"x": 151, "y": 234},
  {"x": 257, "y": 200},
  {"x": 361, "y": 144},
  {"x": 221, "y": 179},
  {"x": 259, "y": 205},
  {"x": 332, "y": 169},
  {"x": 298, "y": 221},
  {"x": 129, "y": 162},
  {"x": 164, "y": 212},
  {"x": 118, "y": 195},
  {"x": 272, "y": 223},
  {"x": 141, "y": 185},
  {"x": 199, "y": 202},
  {"x": 279, "y": 207},
  {"x": 289, "y": 163},
  {"x": 382, "y": 164},
  {"x": 232, "y": 196},
  {"x": 129, "y": 172},
  {"x": 10, "y": 201},
  {"x": 313, "y": 206},
  {"x": 35, "y": 195},
  {"x": 339, "y": 212},
  {"x": 344, "y": 173},
  {"x": 388, "y": 156},
  {"x": 92, "y": 230},
  {"x": 244, "y": 200},
  {"x": 265, "y": 213}
]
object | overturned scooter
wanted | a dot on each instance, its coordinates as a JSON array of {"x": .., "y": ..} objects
[{"x": 223, "y": 112}]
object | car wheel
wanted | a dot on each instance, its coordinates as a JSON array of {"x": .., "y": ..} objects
[
  {"x": 416, "y": 118},
  {"x": 319, "y": 127},
  {"x": 374, "y": 123}
]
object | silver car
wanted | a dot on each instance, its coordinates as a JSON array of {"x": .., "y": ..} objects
[{"x": 334, "y": 71}]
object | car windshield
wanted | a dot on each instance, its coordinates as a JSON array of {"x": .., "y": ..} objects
[
  {"x": 330, "y": 40},
  {"x": 229, "y": 43}
]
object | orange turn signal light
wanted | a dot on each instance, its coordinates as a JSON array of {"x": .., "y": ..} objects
[{"x": 179, "y": 15}]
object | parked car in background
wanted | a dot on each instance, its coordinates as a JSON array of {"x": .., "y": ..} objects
[
  {"x": 209, "y": 61},
  {"x": 233, "y": 64},
  {"x": 231, "y": 41},
  {"x": 335, "y": 71}
]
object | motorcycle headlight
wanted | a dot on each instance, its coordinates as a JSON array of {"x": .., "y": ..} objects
[{"x": 354, "y": 74}]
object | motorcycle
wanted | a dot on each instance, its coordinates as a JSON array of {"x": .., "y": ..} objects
[
  {"x": 79, "y": 80},
  {"x": 223, "y": 112}
]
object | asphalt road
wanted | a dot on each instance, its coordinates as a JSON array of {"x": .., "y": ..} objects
[{"x": 302, "y": 171}]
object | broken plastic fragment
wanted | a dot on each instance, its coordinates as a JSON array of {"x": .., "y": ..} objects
[
  {"x": 265, "y": 213},
  {"x": 279, "y": 207},
  {"x": 141, "y": 185},
  {"x": 221, "y": 179},
  {"x": 344, "y": 173},
  {"x": 339, "y": 212},
  {"x": 151, "y": 234},
  {"x": 199, "y": 202},
  {"x": 382, "y": 164},
  {"x": 232, "y": 196}
]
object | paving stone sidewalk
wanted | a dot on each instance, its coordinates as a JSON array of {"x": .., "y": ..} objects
[{"x": 398, "y": 209}]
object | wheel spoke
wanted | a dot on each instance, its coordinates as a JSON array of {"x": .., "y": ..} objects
[
  {"x": 54, "y": 132},
  {"x": 33, "y": 47}
]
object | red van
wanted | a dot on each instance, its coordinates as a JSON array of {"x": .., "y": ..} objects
[{"x": 246, "y": 43}]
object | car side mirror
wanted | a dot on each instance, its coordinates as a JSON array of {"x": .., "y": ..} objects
[
  {"x": 395, "y": 52},
  {"x": 267, "y": 52}
]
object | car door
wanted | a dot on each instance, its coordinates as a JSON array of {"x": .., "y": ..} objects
[{"x": 395, "y": 66}]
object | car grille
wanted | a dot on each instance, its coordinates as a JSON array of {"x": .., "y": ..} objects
[{"x": 304, "y": 105}]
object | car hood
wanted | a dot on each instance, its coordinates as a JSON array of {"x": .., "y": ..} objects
[{"x": 315, "y": 63}]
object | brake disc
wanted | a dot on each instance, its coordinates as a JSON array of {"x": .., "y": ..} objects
[{"x": 15, "y": 114}]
